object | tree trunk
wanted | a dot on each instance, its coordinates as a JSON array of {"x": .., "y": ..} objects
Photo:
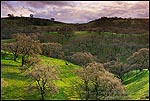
[
  {"x": 41, "y": 90},
  {"x": 96, "y": 90},
  {"x": 22, "y": 60},
  {"x": 140, "y": 69},
  {"x": 15, "y": 57},
  {"x": 42, "y": 94},
  {"x": 120, "y": 76},
  {"x": 87, "y": 90}
]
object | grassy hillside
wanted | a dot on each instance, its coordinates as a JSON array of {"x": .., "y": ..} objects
[
  {"x": 137, "y": 84},
  {"x": 32, "y": 25},
  {"x": 21, "y": 21},
  {"x": 104, "y": 45},
  {"x": 28, "y": 25},
  {"x": 119, "y": 25},
  {"x": 14, "y": 82},
  {"x": 101, "y": 45}
]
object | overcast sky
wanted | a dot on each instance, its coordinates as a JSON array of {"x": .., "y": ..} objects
[{"x": 76, "y": 11}]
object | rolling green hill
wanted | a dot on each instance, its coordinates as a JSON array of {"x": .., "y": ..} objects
[
  {"x": 119, "y": 25},
  {"x": 14, "y": 82},
  {"x": 14, "y": 25},
  {"x": 137, "y": 84},
  {"x": 32, "y": 25}
]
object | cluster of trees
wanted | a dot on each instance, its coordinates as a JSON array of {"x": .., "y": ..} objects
[
  {"x": 42, "y": 76},
  {"x": 31, "y": 16},
  {"x": 117, "y": 67},
  {"x": 97, "y": 84},
  {"x": 137, "y": 61},
  {"x": 96, "y": 81},
  {"x": 104, "y": 24},
  {"x": 65, "y": 33},
  {"x": 140, "y": 59},
  {"x": 118, "y": 25},
  {"x": 52, "y": 50},
  {"x": 24, "y": 46},
  {"x": 117, "y": 49},
  {"x": 81, "y": 58},
  {"x": 12, "y": 15},
  {"x": 105, "y": 17},
  {"x": 105, "y": 46}
]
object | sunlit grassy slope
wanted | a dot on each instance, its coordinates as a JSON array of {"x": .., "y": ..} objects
[
  {"x": 15, "y": 82},
  {"x": 137, "y": 84}
]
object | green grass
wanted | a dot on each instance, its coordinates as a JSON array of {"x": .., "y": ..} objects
[
  {"x": 137, "y": 84},
  {"x": 14, "y": 82},
  {"x": 7, "y": 40},
  {"x": 17, "y": 82},
  {"x": 52, "y": 33},
  {"x": 83, "y": 33}
]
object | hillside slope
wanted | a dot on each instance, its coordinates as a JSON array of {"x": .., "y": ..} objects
[
  {"x": 119, "y": 25},
  {"x": 32, "y": 25},
  {"x": 28, "y": 25},
  {"x": 14, "y": 83},
  {"x": 137, "y": 84}
]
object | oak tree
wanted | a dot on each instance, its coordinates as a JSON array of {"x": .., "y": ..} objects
[
  {"x": 98, "y": 84},
  {"x": 41, "y": 78},
  {"x": 82, "y": 58},
  {"x": 27, "y": 46},
  {"x": 140, "y": 59}
]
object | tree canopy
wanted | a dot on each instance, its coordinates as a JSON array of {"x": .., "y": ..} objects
[{"x": 97, "y": 83}]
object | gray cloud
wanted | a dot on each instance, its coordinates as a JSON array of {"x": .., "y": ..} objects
[
  {"x": 29, "y": 9},
  {"x": 143, "y": 14},
  {"x": 78, "y": 11},
  {"x": 140, "y": 5},
  {"x": 6, "y": 4},
  {"x": 42, "y": 4},
  {"x": 125, "y": 9}
]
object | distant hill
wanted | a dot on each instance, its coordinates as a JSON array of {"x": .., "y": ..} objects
[
  {"x": 21, "y": 21},
  {"x": 27, "y": 25},
  {"x": 118, "y": 25},
  {"x": 32, "y": 25}
]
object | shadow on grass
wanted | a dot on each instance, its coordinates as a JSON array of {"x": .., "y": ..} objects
[
  {"x": 7, "y": 56},
  {"x": 59, "y": 96},
  {"x": 17, "y": 93},
  {"x": 8, "y": 65},
  {"x": 13, "y": 76},
  {"x": 136, "y": 77}
]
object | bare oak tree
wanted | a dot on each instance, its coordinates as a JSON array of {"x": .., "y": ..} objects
[
  {"x": 98, "y": 84},
  {"x": 27, "y": 46},
  {"x": 82, "y": 58},
  {"x": 140, "y": 59},
  {"x": 42, "y": 79}
]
